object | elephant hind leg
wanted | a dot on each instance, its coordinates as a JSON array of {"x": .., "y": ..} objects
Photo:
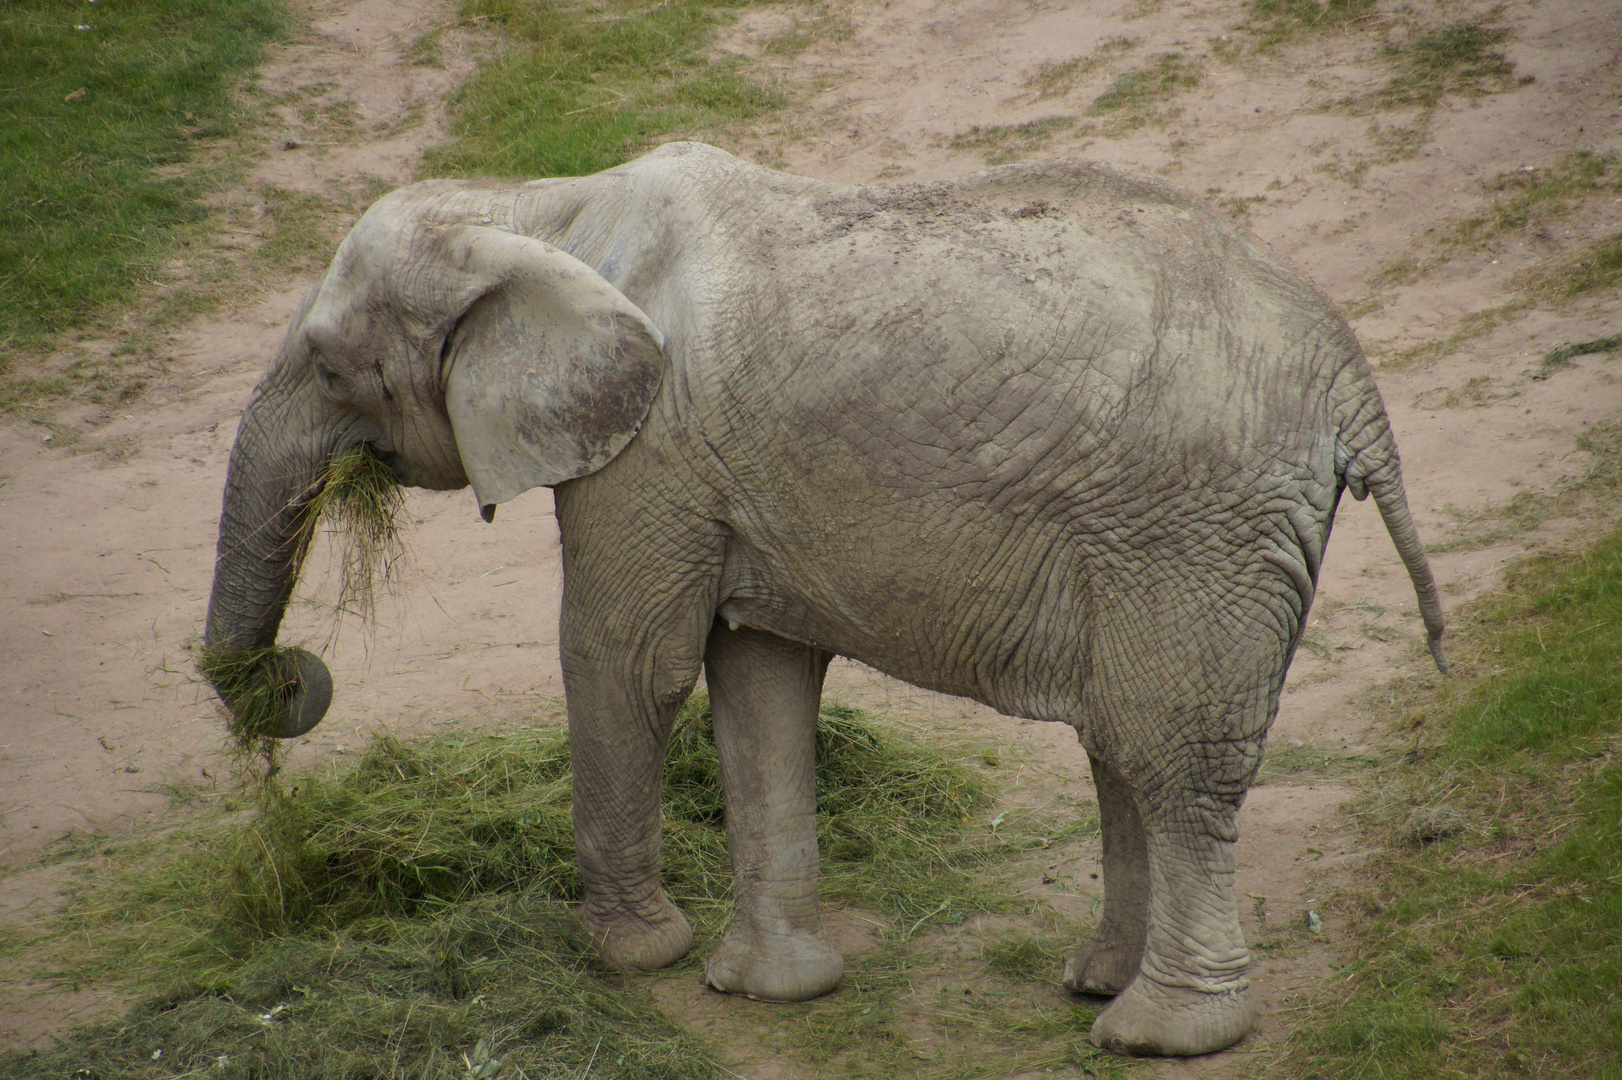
[
  {"x": 1182, "y": 722},
  {"x": 1190, "y": 995},
  {"x": 1106, "y": 964},
  {"x": 765, "y": 692}
]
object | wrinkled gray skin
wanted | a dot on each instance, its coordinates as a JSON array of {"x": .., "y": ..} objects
[{"x": 1051, "y": 437}]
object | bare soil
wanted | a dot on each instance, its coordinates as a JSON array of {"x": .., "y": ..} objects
[{"x": 108, "y": 542}]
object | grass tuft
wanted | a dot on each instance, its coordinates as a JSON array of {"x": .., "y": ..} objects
[
  {"x": 1524, "y": 200},
  {"x": 1009, "y": 142},
  {"x": 1461, "y": 61},
  {"x": 1600, "y": 485},
  {"x": 1134, "y": 99},
  {"x": 1565, "y": 354},
  {"x": 1599, "y": 267},
  {"x": 1275, "y": 22},
  {"x": 1026, "y": 957},
  {"x": 1054, "y": 78},
  {"x": 1171, "y": 72}
]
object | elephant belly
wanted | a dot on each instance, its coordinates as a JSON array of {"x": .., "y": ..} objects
[{"x": 946, "y": 622}]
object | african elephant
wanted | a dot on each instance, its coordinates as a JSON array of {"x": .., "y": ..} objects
[{"x": 1052, "y": 437}]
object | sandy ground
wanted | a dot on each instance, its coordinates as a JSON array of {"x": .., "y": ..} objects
[{"x": 108, "y": 544}]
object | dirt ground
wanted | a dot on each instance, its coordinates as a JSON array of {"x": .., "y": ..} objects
[{"x": 108, "y": 541}]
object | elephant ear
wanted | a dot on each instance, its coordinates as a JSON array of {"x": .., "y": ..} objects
[{"x": 551, "y": 370}]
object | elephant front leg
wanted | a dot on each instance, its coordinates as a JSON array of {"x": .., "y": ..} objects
[
  {"x": 1107, "y": 963},
  {"x": 765, "y": 692},
  {"x": 617, "y": 768}
]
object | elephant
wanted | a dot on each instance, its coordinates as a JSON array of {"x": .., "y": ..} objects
[{"x": 1051, "y": 436}]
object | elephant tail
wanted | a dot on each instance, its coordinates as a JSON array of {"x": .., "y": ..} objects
[{"x": 1376, "y": 470}]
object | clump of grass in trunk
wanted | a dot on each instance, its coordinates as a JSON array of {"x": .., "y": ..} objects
[
  {"x": 1489, "y": 947},
  {"x": 383, "y": 919},
  {"x": 258, "y": 685},
  {"x": 359, "y": 500}
]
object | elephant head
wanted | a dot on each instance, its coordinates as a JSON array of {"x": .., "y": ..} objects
[{"x": 459, "y": 353}]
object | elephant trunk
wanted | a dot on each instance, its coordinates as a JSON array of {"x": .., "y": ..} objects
[{"x": 286, "y": 437}]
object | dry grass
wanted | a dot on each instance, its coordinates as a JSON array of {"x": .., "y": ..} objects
[
  {"x": 1055, "y": 78},
  {"x": 1138, "y": 97},
  {"x": 1010, "y": 142},
  {"x": 387, "y": 918}
]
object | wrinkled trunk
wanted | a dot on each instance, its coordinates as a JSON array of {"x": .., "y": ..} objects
[{"x": 288, "y": 433}]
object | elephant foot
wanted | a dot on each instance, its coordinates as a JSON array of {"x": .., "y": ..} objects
[
  {"x": 1102, "y": 968},
  {"x": 775, "y": 967},
  {"x": 1150, "y": 1020},
  {"x": 638, "y": 939}
]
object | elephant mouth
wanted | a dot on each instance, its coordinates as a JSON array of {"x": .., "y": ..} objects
[{"x": 394, "y": 467}]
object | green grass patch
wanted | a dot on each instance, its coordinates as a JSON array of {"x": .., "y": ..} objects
[
  {"x": 1523, "y": 199},
  {"x": 1054, "y": 78},
  {"x": 1474, "y": 325},
  {"x": 1465, "y": 60},
  {"x": 1527, "y": 201},
  {"x": 1027, "y": 957},
  {"x": 1562, "y": 357},
  {"x": 102, "y": 109},
  {"x": 1009, "y": 142},
  {"x": 388, "y": 917},
  {"x": 1170, "y": 73},
  {"x": 1138, "y": 97},
  {"x": 1288, "y": 762},
  {"x": 1272, "y": 23},
  {"x": 583, "y": 87},
  {"x": 1597, "y": 268},
  {"x": 1491, "y": 944},
  {"x": 822, "y": 23}
]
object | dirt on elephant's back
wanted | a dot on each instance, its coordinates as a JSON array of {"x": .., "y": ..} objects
[{"x": 108, "y": 528}]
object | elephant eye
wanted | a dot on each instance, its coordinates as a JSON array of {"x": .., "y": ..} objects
[{"x": 327, "y": 376}]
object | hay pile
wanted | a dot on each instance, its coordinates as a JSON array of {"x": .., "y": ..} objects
[{"x": 407, "y": 916}]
